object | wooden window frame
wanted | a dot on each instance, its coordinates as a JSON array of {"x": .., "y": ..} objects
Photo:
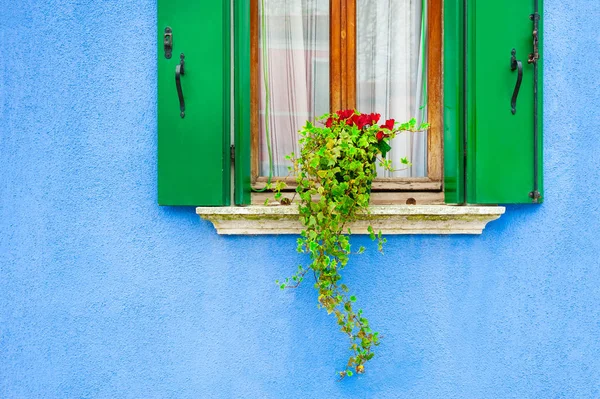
[{"x": 412, "y": 190}]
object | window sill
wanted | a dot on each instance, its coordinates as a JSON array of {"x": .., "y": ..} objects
[{"x": 390, "y": 219}]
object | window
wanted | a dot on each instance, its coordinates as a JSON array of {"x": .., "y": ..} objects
[
  {"x": 310, "y": 57},
  {"x": 492, "y": 150}
]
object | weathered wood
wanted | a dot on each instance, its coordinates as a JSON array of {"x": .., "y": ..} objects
[
  {"x": 435, "y": 91},
  {"x": 399, "y": 198},
  {"x": 380, "y": 184},
  {"x": 378, "y": 198}
]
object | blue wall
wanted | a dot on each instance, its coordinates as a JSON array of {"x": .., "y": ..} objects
[{"x": 104, "y": 294}]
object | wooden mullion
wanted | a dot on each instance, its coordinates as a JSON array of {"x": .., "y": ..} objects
[
  {"x": 435, "y": 90},
  {"x": 343, "y": 54}
]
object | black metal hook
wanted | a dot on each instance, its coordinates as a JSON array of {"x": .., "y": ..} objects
[
  {"x": 168, "y": 42},
  {"x": 516, "y": 65},
  {"x": 180, "y": 70}
]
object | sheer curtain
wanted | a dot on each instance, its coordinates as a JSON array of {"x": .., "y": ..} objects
[
  {"x": 390, "y": 73},
  {"x": 294, "y": 74}
]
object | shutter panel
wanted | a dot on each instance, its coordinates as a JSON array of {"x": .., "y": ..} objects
[
  {"x": 500, "y": 144},
  {"x": 193, "y": 151}
]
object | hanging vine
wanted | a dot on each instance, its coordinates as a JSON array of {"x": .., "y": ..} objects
[{"x": 334, "y": 172}]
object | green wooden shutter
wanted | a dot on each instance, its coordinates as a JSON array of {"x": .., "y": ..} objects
[
  {"x": 193, "y": 151},
  {"x": 499, "y": 144}
]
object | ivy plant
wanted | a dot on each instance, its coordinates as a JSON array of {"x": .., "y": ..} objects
[{"x": 334, "y": 172}]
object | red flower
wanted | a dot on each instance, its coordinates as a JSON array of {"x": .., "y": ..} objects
[
  {"x": 345, "y": 114},
  {"x": 381, "y": 135},
  {"x": 329, "y": 122},
  {"x": 352, "y": 120},
  {"x": 374, "y": 118},
  {"x": 389, "y": 124},
  {"x": 360, "y": 120}
]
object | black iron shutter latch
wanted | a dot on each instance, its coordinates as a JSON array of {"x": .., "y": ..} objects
[{"x": 533, "y": 59}]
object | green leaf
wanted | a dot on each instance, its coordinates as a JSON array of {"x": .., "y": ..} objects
[
  {"x": 384, "y": 148},
  {"x": 371, "y": 232},
  {"x": 314, "y": 163},
  {"x": 353, "y": 298}
]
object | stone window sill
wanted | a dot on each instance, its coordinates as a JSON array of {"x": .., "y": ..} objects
[{"x": 390, "y": 219}]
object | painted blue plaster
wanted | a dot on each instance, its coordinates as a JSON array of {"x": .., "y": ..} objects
[{"x": 104, "y": 294}]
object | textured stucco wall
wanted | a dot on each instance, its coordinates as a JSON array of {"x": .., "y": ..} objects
[{"x": 104, "y": 294}]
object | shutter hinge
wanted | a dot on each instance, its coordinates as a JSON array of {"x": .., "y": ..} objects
[
  {"x": 535, "y": 55},
  {"x": 232, "y": 153},
  {"x": 535, "y": 196},
  {"x": 168, "y": 42}
]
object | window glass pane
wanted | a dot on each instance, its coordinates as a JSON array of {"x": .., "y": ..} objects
[
  {"x": 294, "y": 74},
  {"x": 391, "y": 73}
]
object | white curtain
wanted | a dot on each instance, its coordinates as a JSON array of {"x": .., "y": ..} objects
[
  {"x": 390, "y": 74},
  {"x": 294, "y": 45},
  {"x": 294, "y": 74}
]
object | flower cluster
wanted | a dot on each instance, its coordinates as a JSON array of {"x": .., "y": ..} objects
[{"x": 351, "y": 117}]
